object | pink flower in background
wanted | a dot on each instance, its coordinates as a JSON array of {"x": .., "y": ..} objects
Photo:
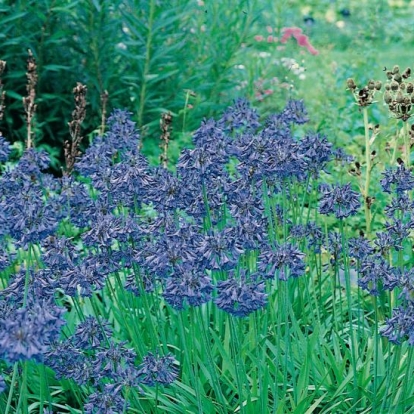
[
  {"x": 259, "y": 38},
  {"x": 301, "y": 38}
]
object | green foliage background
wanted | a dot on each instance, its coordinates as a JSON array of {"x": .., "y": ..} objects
[{"x": 148, "y": 54}]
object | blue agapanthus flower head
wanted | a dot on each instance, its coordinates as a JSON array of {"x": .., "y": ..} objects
[
  {"x": 156, "y": 369},
  {"x": 240, "y": 115},
  {"x": 316, "y": 151},
  {"x": 187, "y": 286},
  {"x": 5, "y": 149},
  {"x": 26, "y": 333},
  {"x": 241, "y": 295},
  {"x": 295, "y": 112},
  {"x": 400, "y": 178},
  {"x": 339, "y": 200},
  {"x": 401, "y": 324},
  {"x": 107, "y": 401},
  {"x": 285, "y": 260}
]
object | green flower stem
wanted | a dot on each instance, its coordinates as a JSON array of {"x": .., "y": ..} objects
[
  {"x": 407, "y": 380},
  {"x": 353, "y": 342},
  {"x": 376, "y": 340},
  {"x": 238, "y": 362},
  {"x": 407, "y": 149},
  {"x": 210, "y": 360},
  {"x": 367, "y": 173},
  {"x": 147, "y": 64},
  {"x": 23, "y": 391},
  {"x": 190, "y": 358},
  {"x": 13, "y": 382}
]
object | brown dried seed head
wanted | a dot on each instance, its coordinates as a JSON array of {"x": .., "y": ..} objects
[
  {"x": 410, "y": 87},
  {"x": 371, "y": 85},
  {"x": 378, "y": 85},
  {"x": 389, "y": 74},
  {"x": 402, "y": 86},
  {"x": 396, "y": 69}
]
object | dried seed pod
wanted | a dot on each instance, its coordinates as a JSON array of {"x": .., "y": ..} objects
[
  {"x": 402, "y": 86},
  {"x": 399, "y": 98},
  {"x": 410, "y": 87},
  {"x": 371, "y": 85},
  {"x": 407, "y": 73},
  {"x": 351, "y": 84},
  {"x": 398, "y": 78},
  {"x": 387, "y": 97},
  {"x": 378, "y": 85},
  {"x": 395, "y": 69},
  {"x": 387, "y": 87},
  {"x": 412, "y": 98},
  {"x": 407, "y": 100},
  {"x": 394, "y": 86},
  {"x": 389, "y": 74}
]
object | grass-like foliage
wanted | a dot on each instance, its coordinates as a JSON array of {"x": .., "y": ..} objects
[{"x": 242, "y": 282}]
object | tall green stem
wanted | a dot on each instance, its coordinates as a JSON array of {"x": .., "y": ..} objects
[
  {"x": 147, "y": 63},
  {"x": 407, "y": 149},
  {"x": 352, "y": 342},
  {"x": 367, "y": 173}
]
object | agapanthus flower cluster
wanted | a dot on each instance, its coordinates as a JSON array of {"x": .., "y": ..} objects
[
  {"x": 241, "y": 295},
  {"x": 339, "y": 200},
  {"x": 156, "y": 369},
  {"x": 5, "y": 149},
  {"x": 399, "y": 178},
  {"x": 282, "y": 261},
  {"x": 26, "y": 333}
]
